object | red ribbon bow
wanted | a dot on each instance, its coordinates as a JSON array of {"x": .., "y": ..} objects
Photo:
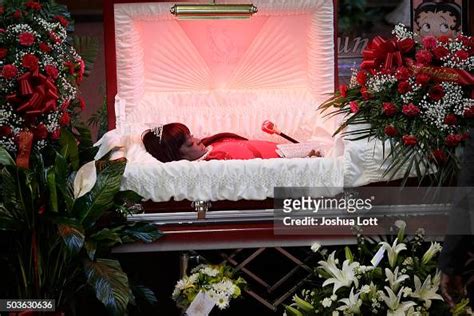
[
  {"x": 381, "y": 53},
  {"x": 37, "y": 94}
]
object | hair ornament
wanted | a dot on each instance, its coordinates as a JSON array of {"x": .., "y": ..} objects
[{"x": 158, "y": 132}]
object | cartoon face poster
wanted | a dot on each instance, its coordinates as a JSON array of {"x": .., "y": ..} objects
[{"x": 437, "y": 18}]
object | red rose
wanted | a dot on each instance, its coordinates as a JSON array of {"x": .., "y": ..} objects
[
  {"x": 30, "y": 61},
  {"x": 389, "y": 109},
  {"x": 404, "y": 87},
  {"x": 9, "y": 71},
  {"x": 343, "y": 90},
  {"x": 65, "y": 119},
  {"x": 402, "y": 73},
  {"x": 2, "y": 10},
  {"x": 56, "y": 134},
  {"x": 62, "y": 20},
  {"x": 423, "y": 57},
  {"x": 18, "y": 14},
  {"x": 450, "y": 119},
  {"x": 51, "y": 71},
  {"x": 26, "y": 39},
  {"x": 82, "y": 103},
  {"x": 33, "y": 5},
  {"x": 469, "y": 113},
  {"x": 390, "y": 131},
  {"x": 410, "y": 110},
  {"x": 5, "y": 130},
  {"x": 440, "y": 52},
  {"x": 41, "y": 132},
  {"x": 406, "y": 45},
  {"x": 71, "y": 67},
  {"x": 54, "y": 37},
  {"x": 443, "y": 39},
  {"x": 436, "y": 93},
  {"x": 82, "y": 69},
  {"x": 409, "y": 140},
  {"x": 361, "y": 77},
  {"x": 3, "y": 53},
  {"x": 422, "y": 79},
  {"x": 354, "y": 106},
  {"x": 429, "y": 42},
  {"x": 452, "y": 140},
  {"x": 439, "y": 156},
  {"x": 462, "y": 54},
  {"x": 45, "y": 47},
  {"x": 365, "y": 94}
]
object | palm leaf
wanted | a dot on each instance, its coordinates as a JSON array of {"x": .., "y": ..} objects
[
  {"x": 144, "y": 294},
  {"x": 110, "y": 284},
  {"x": 5, "y": 158}
]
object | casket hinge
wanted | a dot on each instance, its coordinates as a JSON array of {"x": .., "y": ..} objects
[{"x": 201, "y": 207}]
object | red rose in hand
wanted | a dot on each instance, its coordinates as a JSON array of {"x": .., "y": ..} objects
[
  {"x": 440, "y": 156},
  {"x": 33, "y": 5},
  {"x": 361, "y": 77},
  {"x": 62, "y": 20},
  {"x": 56, "y": 134},
  {"x": 65, "y": 119},
  {"x": 450, "y": 119},
  {"x": 404, "y": 87},
  {"x": 452, "y": 140},
  {"x": 422, "y": 79},
  {"x": 26, "y": 39},
  {"x": 3, "y": 53},
  {"x": 9, "y": 71},
  {"x": 41, "y": 132},
  {"x": 5, "y": 130},
  {"x": 343, "y": 90},
  {"x": 462, "y": 54},
  {"x": 390, "y": 131},
  {"x": 440, "y": 52},
  {"x": 51, "y": 71},
  {"x": 469, "y": 113},
  {"x": 409, "y": 140},
  {"x": 389, "y": 109},
  {"x": 429, "y": 42},
  {"x": 354, "y": 106},
  {"x": 410, "y": 110},
  {"x": 30, "y": 61},
  {"x": 406, "y": 45},
  {"x": 436, "y": 93},
  {"x": 402, "y": 73},
  {"x": 365, "y": 94},
  {"x": 423, "y": 57},
  {"x": 45, "y": 47}
]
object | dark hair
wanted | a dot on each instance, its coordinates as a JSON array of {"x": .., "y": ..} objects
[
  {"x": 172, "y": 138},
  {"x": 446, "y": 6}
]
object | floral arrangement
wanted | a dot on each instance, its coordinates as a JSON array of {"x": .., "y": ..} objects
[
  {"x": 415, "y": 95},
  {"x": 380, "y": 278},
  {"x": 217, "y": 281},
  {"x": 39, "y": 74}
]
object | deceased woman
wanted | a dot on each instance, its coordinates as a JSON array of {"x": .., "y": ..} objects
[{"x": 174, "y": 141}]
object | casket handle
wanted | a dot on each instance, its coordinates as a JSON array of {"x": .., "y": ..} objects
[{"x": 201, "y": 207}]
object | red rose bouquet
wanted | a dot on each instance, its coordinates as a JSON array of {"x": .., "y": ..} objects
[
  {"x": 414, "y": 95},
  {"x": 39, "y": 75}
]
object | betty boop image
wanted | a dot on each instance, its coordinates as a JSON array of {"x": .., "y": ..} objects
[{"x": 437, "y": 18}]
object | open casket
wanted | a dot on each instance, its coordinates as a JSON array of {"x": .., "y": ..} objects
[{"x": 226, "y": 76}]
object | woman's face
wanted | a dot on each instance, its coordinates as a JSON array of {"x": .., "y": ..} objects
[
  {"x": 192, "y": 148},
  {"x": 436, "y": 24}
]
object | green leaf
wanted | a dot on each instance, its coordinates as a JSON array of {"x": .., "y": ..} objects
[
  {"x": 73, "y": 237},
  {"x": 110, "y": 284},
  {"x": 91, "y": 248},
  {"x": 348, "y": 253},
  {"x": 5, "y": 158},
  {"x": 302, "y": 304},
  {"x": 87, "y": 47},
  {"x": 291, "y": 311},
  {"x": 69, "y": 147},
  {"x": 90, "y": 207},
  {"x": 128, "y": 196},
  {"x": 141, "y": 231},
  {"x": 53, "y": 195},
  {"x": 106, "y": 238},
  {"x": 144, "y": 294}
]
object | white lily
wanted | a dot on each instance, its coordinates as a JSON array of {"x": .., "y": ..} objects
[
  {"x": 394, "y": 279},
  {"x": 340, "y": 278},
  {"x": 393, "y": 251},
  {"x": 396, "y": 308},
  {"x": 426, "y": 291},
  {"x": 315, "y": 246},
  {"x": 431, "y": 252},
  {"x": 85, "y": 179},
  {"x": 352, "y": 304},
  {"x": 412, "y": 312}
]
